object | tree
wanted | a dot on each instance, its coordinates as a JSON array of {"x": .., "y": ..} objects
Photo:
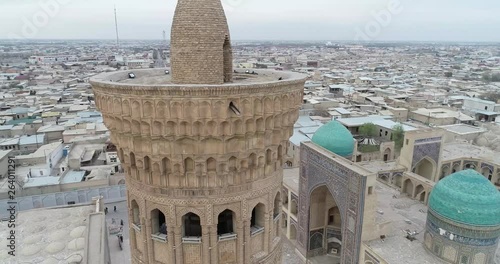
[
  {"x": 486, "y": 77},
  {"x": 368, "y": 130},
  {"x": 448, "y": 74},
  {"x": 398, "y": 135},
  {"x": 491, "y": 77},
  {"x": 495, "y": 77},
  {"x": 494, "y": 97}
]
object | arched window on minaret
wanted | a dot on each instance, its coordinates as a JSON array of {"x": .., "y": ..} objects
[
  {"x": 158, "y": 224},
  {"x": 135, "y": 213},
  {"x": 191, "y": 225},
  {"x": 258, "y": 219},
  {"x": 225, "y": 223}
]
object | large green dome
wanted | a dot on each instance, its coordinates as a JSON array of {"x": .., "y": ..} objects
[
  {"x": 466, "y": 197},
  {"x": 335, "y": 138}
]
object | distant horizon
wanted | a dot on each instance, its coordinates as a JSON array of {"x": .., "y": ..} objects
[
  {"x": 261, "y": 20},
  {"x": 262, "y": 40}
]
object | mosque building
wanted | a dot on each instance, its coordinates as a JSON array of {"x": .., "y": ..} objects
[
  {"x": 463, "y": 220},
  {"x": 337, "y": 210}
]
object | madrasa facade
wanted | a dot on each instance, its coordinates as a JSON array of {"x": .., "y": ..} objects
[{"x": 336, "y": 210}]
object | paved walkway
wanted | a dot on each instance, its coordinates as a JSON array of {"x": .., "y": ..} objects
[{"x": 117, "y": 255}]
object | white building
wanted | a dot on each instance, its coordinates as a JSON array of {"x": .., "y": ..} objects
[
  {"x": 483, "y": 110},
  {"x": 56, "y": 59}
]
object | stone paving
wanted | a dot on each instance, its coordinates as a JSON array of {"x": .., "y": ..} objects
[{"x": 118, "y": 256}]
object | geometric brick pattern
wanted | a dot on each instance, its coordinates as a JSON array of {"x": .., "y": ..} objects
[
  {"x": 202, "y": 143},
  {"x": 237, "y": 160},
  {"x": 430, "y": 150},
  {"x": 347, "y": 188},
  {"x": 201, "y": 49},
  {"x": 454, "y": 241}
]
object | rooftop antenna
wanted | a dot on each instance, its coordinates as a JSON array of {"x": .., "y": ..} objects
[
  {"x": 116, "y": 27},
  {"x": 166, "y": 48}
]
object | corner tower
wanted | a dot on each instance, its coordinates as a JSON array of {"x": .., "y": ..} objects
[
  {"x": 200, "y": 43},
  {"x": 202, "y": 151}
]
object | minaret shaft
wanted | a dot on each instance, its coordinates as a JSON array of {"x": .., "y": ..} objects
[{"x": 200, "y": 43}]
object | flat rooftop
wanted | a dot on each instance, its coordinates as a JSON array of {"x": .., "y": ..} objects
[
  {"x": 79, "y": 150},
  {"x": 389, "y": 124},
  {"x": 21, "y": 176},
  {"x": 463, "y": 129},
  {"x": 157, "y": 77},
  {"x": 73, "y": 176},
  {"x": 4, "y": 153},
  {"x": 41, "y": 181},
  {"x": 359, "y": 121},
  {"x": 291, "y": 179},
  {"x": 48, "y": 235},
  {"x": 376, "y": 166},
  {"x": 443, "y": 113},
  {"x": 452, "y": 151},
  {"x": 42, "y": 151}
]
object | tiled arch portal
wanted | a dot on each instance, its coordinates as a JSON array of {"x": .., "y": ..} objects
[{"x": 347, "y": 188}]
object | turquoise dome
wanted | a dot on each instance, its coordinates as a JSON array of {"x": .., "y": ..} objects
[
  {"x": 466, "y": 197},
  {"x": 335, "y": 138}
]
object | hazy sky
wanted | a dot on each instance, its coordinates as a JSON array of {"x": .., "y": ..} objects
[{"x": 421, "y": 20}]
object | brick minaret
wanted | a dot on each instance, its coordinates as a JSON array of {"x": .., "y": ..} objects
[
  {"x": 203, "y": 152},
  {"x": 200, "y": 43}
]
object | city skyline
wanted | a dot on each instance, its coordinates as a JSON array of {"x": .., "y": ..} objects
[
  {"x": 217, "y": 150},
  {"x": 379, "y": 20}
]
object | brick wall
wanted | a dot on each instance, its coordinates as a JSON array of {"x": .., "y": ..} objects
[
  {"x": 161, "y": 253},
  {"x": 227, "y": 252},
  {"x": 258, "y": 243},
  {"x": 139, "y": 242},
  {"x": 200, "y": 44},
  {"x": 192, "y": 253}
]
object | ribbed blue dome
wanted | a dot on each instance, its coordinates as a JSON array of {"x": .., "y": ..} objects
[
  {"x": 467, "y": 197},
  {"x": 335, "y": 138}
]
